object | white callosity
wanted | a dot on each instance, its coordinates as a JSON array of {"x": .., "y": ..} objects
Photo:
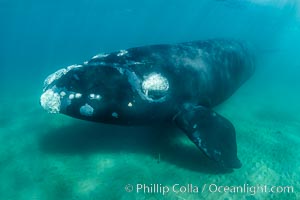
[
  {"x": 50, "y": 101},
  {"x": 95, "y": 97},
  {"x": 62, "y": 94},
  {"x": 155, "y": 82},
  {"x": 58, "y": 74},
  {"x": 101, "y": 55},
  {"x": 86, "y": 110},
  {"x": 78, "y": 95},
  {"x": 115, "y": 115},
  {"x": 73, "y": 67},
  {"x": 71, "y": 96},
  {"x": 52, "y": 77},
  {"x": 122, "y": 53}
]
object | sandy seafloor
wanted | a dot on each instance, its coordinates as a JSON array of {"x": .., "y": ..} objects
[{"x": 45, "y": 156}]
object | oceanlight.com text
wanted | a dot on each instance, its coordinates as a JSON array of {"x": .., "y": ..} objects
[{"x": 211, "y": 188}]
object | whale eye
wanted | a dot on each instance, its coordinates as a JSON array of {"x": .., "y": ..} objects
[{"x": 155, "y": 86}]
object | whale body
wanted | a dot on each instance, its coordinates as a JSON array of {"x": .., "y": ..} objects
[{"x": 166, "y": 83}]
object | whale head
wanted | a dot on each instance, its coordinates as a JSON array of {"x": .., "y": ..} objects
[{"x": 106, "y": 93}]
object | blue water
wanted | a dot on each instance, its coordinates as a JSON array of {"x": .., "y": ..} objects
[{"x": 55, "y": 157}]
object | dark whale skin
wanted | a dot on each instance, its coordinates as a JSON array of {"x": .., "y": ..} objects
[{"x": 153, "y": 84}]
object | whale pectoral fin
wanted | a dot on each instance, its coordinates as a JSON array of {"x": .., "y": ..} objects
[{"x": 212, "y": 133}]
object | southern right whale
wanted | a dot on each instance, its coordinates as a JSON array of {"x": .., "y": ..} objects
[{"x": 177, "y": 83}]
